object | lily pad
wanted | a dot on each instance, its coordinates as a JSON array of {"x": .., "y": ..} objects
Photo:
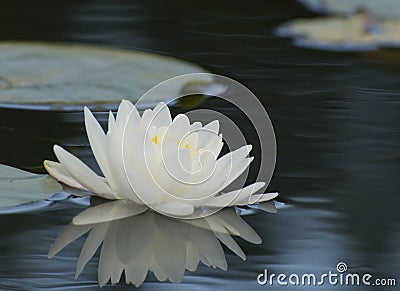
[
  {"x": 19, "y": 187},
  {"x": 379, "y": 8},
  {"x": 68, "y": 76},
  {"x": 358, "y": 32}
]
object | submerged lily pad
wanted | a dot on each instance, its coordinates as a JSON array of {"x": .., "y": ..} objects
[
  {"x": 357, "y": 32},
  {"x": 20, "y": 187},
  {"x": 379, "y": 8},
  {"x": 67, "y": 76}
]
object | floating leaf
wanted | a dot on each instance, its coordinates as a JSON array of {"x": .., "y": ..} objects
[
  {"x": 55, "y": 76},
  {"x": 379, "y": 8},
  {"x": 357, "y": 32},
  {"x": 20, "y": 187}
]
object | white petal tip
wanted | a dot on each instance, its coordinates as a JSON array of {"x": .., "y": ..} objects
[
  {"x": 268, "y": 206},
  {"x": 258, "y": 198}
]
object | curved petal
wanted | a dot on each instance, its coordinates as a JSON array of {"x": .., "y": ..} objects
[
  {"x": 236, "y": 197},
  {"x": 192, "y": 257},
  {"x": 130, "y": 245},
  {"x": 228, "y": 168},
  {"x": 89, "y": 248},
  {"x": 83, "y": 174},
  {"x": 98, "y": 142},
  {"x": 117, "y": 165},
  {"x": 174, "y": 208},
  {"x": 258, "y": 198},
  {"x": 111, "y": 122},
  {"x": 208, "y": 131},
  {"x": 209, "y": 248},
  {"x": 172, "y": 265},
  {"x": 161, "y": 115},
  {"x": 110, "y": 267},
  {"x": 136, "y": 271},
  {"x": 231, "y": 220},
  {"x": 180, "y": 126},
  {"x": 228, "y": 241},
  {"x": 195, "y": 126},
  {"x": 57, "y": 171},
  {"x": 108, "y": 212},
  {"x": 69, "y": 234},
  {"x": 268, "y": 206},
  {"x": 126, "y": 110}
]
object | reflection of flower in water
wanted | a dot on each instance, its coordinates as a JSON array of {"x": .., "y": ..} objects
[
  {"x": 169, "y": 165},
  {"x": 146, "y": 240}
]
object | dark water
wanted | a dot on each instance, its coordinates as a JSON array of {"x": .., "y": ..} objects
[{"x": 336, "y": 117}]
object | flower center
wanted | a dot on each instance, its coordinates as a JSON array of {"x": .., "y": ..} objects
[{"x": 181, "y": 145}]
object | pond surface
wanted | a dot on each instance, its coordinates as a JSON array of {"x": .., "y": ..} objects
[{"x": 336, "y": 118}]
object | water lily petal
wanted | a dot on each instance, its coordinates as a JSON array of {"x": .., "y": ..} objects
[
  {"x": 213, "y": 126},
  {"x": 174, "y": 208},
  {"x": 126, "y": 109},
  {"x": 219, "y": 223},
  {"x": 89, "y": 248},
  {"x": 117, "y": 166},
  {"x": 209, "y": 248},
  {"x": 228, "y": 241},
  {"x": 161, "y": 115},
  {"x": 228, "y": 168},
  {"x": 192, "y": 257},
  {"x": 209, "y": 139},
  {"x": 268, "y": 206},
  {"x": 204, "y": 260},
  {"x": 195, "y": 126},
  {"x": 136, "y": 271},
  {"x": 174, "y": 172},
  {"x": 109, "y": 265},
  {"x": 235, "y": 197},
  {"x": 108, "y": 212},
  {"x": 83, "y": 174},
  {"x": 97, "y": 140},
  {"x": 176, "y": 229},
  {"x": 180, "y": 127},
  {"x": 231, "y": 219},
  {"x": 172, "y": 266},
  {"x": 144, "y": 191},
  {"x": 111, "y": 121},
  {"x": 158, "y": 272},
  {"x": 57, "y": 171},
  {"x": 130, "y": 245},
  {"x": 69, "y": 234},
  {"x": 146, "y": 119},
  {"x": 208, "y": 131},
  {"x": 258, "y": 198}
]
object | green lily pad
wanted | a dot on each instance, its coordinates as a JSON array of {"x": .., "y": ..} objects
[
  {"x": 19, "y": 187},
  {"x": 68, "y": 76},
  {"x": 379, "y": 8},
  {"x": 357, "y": 32}
]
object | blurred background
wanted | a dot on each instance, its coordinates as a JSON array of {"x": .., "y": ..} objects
[{"x": 336, "y": 115}]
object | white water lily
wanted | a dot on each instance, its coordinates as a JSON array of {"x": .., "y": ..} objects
[
  {"x": 171, "y": 166},
  {"x": 165, "y": 246}
]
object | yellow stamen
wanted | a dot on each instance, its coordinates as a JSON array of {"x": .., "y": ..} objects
[
  {"x": 187, "y": 146},
  {"x": 155, "y": 139}
]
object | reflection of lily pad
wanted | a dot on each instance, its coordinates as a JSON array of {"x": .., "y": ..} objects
[
  {"x": 65, "y": 76},
  {"x": 19, "y": 187},
  {"x": 358, "y": 32},
  {"x": 379, "y": 8}
]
